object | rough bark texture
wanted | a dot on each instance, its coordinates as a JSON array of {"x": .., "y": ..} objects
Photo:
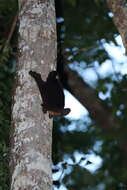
[
  {"x": 97, "y": 108},
  {"x": 119, "y": 9},
  {"x": 32, "y": 130}
]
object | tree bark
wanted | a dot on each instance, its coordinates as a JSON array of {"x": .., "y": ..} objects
[
  {"x": 31, "y": 139},
  {"x": 119, "y": 9}
]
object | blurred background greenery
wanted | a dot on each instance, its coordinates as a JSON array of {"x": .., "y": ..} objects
[{"x": 86, "y": 38}]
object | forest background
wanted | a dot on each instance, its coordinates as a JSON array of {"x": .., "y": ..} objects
[{"x": 85, "y": 29}]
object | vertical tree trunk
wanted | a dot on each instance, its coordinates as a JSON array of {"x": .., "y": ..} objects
[
  {"x": 31, "y": 139},
  {"x": 119, "y": 9}
]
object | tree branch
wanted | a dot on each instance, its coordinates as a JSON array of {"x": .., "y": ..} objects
[{"x": 87, "y": 96}]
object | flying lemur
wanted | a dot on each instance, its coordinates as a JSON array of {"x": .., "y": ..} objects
[{"x": 52, "y": 94}]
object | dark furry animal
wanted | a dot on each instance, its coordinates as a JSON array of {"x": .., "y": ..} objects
[{"x": 52, "y": 94}]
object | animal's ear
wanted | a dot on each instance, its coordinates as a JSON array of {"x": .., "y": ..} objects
[{"x": 52, "y": 75}]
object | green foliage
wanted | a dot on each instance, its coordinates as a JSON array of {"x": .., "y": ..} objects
[
  {"x": 87, "y": 26},
  {"x": 4, "y": 56},
  {"x": 5, "y": 114},
  {"x": 8, "y": 9},
  {"x": 84, "y": 179}
]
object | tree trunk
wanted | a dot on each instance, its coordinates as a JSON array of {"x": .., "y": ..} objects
[
  {"x": 119, "y": 9},
  {"x": 31, "y": 138}
]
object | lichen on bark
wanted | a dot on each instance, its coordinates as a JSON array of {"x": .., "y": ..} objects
[{"x": 30, "y": 160}]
